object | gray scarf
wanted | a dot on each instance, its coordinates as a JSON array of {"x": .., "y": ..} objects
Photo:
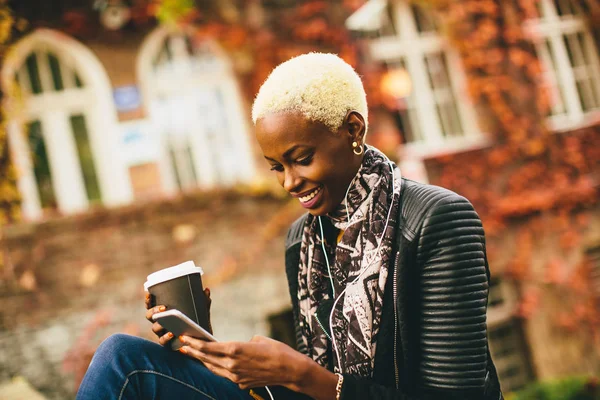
[{"x": 363, "y": 255}]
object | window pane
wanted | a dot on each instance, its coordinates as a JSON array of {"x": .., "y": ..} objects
[
  {"x": 189, "y": 45},
  {"x": 586, "y": 95},
  {"x": 424, "y": 20},
  {"x": 86, "y": 158},
  {"x": 509, "y": 354},
  {"x": 34, "y": 74},
  {"x": 573, "y": 70},
  {"x": 180, "y": 152},
  {"x": 78, "y": 82},
  {"x": 405, "y": 116},
  {"x": 546, "y": 55},
  {"x": 41, "y": 165},
  {"x": 55, "y": 70},
  {"x": 592, "y": 63},
  {"x": 573, "y": 50},
  {"x": 446, "y": 105},
  {"x": 164, "y": 55},
  {"x": 495, "y": 297},
  {"x": 388, "y": 27},
  {"x": 191, "y": 165},
  {"x": 565, "y": 7},
  {"x": 173, "y": 157},
  {"x": 583, "y": 71}
]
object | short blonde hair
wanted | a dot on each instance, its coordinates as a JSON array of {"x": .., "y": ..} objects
[{"x": 321, "y": 86}]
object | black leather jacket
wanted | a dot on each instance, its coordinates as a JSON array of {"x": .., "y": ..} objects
[{"x": 433, "y": 339}]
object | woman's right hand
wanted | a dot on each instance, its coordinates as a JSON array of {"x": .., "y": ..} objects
[{"x": 164, "y": 337}]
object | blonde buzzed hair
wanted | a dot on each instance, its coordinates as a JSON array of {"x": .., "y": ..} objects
[{"x": 321, "y": 86}]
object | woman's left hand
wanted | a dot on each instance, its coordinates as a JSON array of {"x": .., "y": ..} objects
[{"x": 259, "y": 362}]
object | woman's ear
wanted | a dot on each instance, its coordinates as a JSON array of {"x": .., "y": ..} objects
[{"x": 355, "y": 124}]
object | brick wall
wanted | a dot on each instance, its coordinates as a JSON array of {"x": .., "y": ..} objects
[{"x": 70, "y": 282}]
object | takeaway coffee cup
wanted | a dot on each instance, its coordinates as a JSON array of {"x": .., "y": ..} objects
[{"x": 180, "y": 287}]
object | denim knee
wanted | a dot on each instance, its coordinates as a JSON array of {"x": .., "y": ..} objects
[
  {"x": 117, "y": 346},
  {"x": 117, "y": 343}
]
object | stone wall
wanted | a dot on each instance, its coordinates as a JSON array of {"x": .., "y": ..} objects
[{"x": 70, "y": 282}]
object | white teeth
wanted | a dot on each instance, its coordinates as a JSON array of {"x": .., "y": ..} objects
[{"x": 310, "y": 196}]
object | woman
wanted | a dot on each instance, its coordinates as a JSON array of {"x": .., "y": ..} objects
[{"x": 388, "y": 277}]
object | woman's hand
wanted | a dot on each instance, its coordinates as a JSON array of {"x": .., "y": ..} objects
[
  {"x": 263, "y": 362},
  {"x": 259, "y": 362},
  {"x": 165, "y": 337}
]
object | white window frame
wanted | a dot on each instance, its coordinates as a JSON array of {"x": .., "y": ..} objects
[
  {"x": 412, "y": 46},
  {"x": 236, "y": 164},
  {"x": 552, "y": 27},
  {"x": 53, "y": 109},
  {"x": 501, "y": 316}
]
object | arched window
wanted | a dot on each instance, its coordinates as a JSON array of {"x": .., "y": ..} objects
[
  {"x": 566, "y": 47},
  {"x": 434, "y": 114},
  {"x": 63, "y": 128},
  {"x": 194, "y": 103}
]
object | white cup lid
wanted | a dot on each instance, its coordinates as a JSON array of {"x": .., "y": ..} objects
[{"x": 167, "y": 274}]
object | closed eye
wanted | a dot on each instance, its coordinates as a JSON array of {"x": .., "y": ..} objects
[
  {"x": 306, "y": 160},
  {"x": 277, "y": 167}
]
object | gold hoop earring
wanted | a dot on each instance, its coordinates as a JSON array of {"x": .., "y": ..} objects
[{"x": 357, "y": 149}]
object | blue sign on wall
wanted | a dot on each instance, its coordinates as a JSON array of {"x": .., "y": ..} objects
[{"x": 127, "y": 98}]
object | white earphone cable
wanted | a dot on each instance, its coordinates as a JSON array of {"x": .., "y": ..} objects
[
  {"x": 270, "y": 394},
  {"x": 364, "y": 270},
  {"x": 329, "y": 268}
]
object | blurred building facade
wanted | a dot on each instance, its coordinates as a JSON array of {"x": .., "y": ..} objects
[
  {"x": 443, "y": 143},
  {"x": 113, "y": 116},
  {"x": 109, "y": 123}
]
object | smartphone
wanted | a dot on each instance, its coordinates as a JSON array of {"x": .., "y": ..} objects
[{"x": 178, "y": 323}]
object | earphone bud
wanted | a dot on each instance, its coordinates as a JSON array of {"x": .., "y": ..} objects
[{"x": 334, "y": 344}]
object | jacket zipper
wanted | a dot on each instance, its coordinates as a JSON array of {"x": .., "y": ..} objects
[
  {"x": 322, "y": 327},
  {"x": 396, "y": 262}
]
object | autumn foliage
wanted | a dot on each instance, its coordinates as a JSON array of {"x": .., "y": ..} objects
[
  {"x": 9, "y": 195},
  {"x": 540, "y": 184}
]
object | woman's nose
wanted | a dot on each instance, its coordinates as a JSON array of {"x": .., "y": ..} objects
[{"x": 290, "y": 180}]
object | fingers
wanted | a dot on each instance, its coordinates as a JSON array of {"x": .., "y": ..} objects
[
  {"x": 226, "y": 367},
  {"x": 208, "y": 304},
  {"x": 208, "y": 299},
  {"x": 166, "y": 338},
  {"x": 218, "y": 365},
  {"x": 197, "y": 344},
  {"x": 212, "y": 363},
  {"x": 151, "y": 311},
  {"x": 216, "y": 349},
  {"x": 158, "y": 329},
  {"x": 150, "y": 300}
]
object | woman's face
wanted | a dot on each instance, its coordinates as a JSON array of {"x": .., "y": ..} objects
[{"x": 311, "y": 163}]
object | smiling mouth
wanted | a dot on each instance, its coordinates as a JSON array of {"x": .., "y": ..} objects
[{"x": 310, "y": 196}]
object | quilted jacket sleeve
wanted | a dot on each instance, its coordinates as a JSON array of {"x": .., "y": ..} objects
[{"x": 453, "y": 288}]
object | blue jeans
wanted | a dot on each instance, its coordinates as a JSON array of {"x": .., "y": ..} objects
[{"x": 127, "y": 367}]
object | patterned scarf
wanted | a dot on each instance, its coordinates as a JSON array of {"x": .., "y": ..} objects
[{"x": 363, "y": 255}]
